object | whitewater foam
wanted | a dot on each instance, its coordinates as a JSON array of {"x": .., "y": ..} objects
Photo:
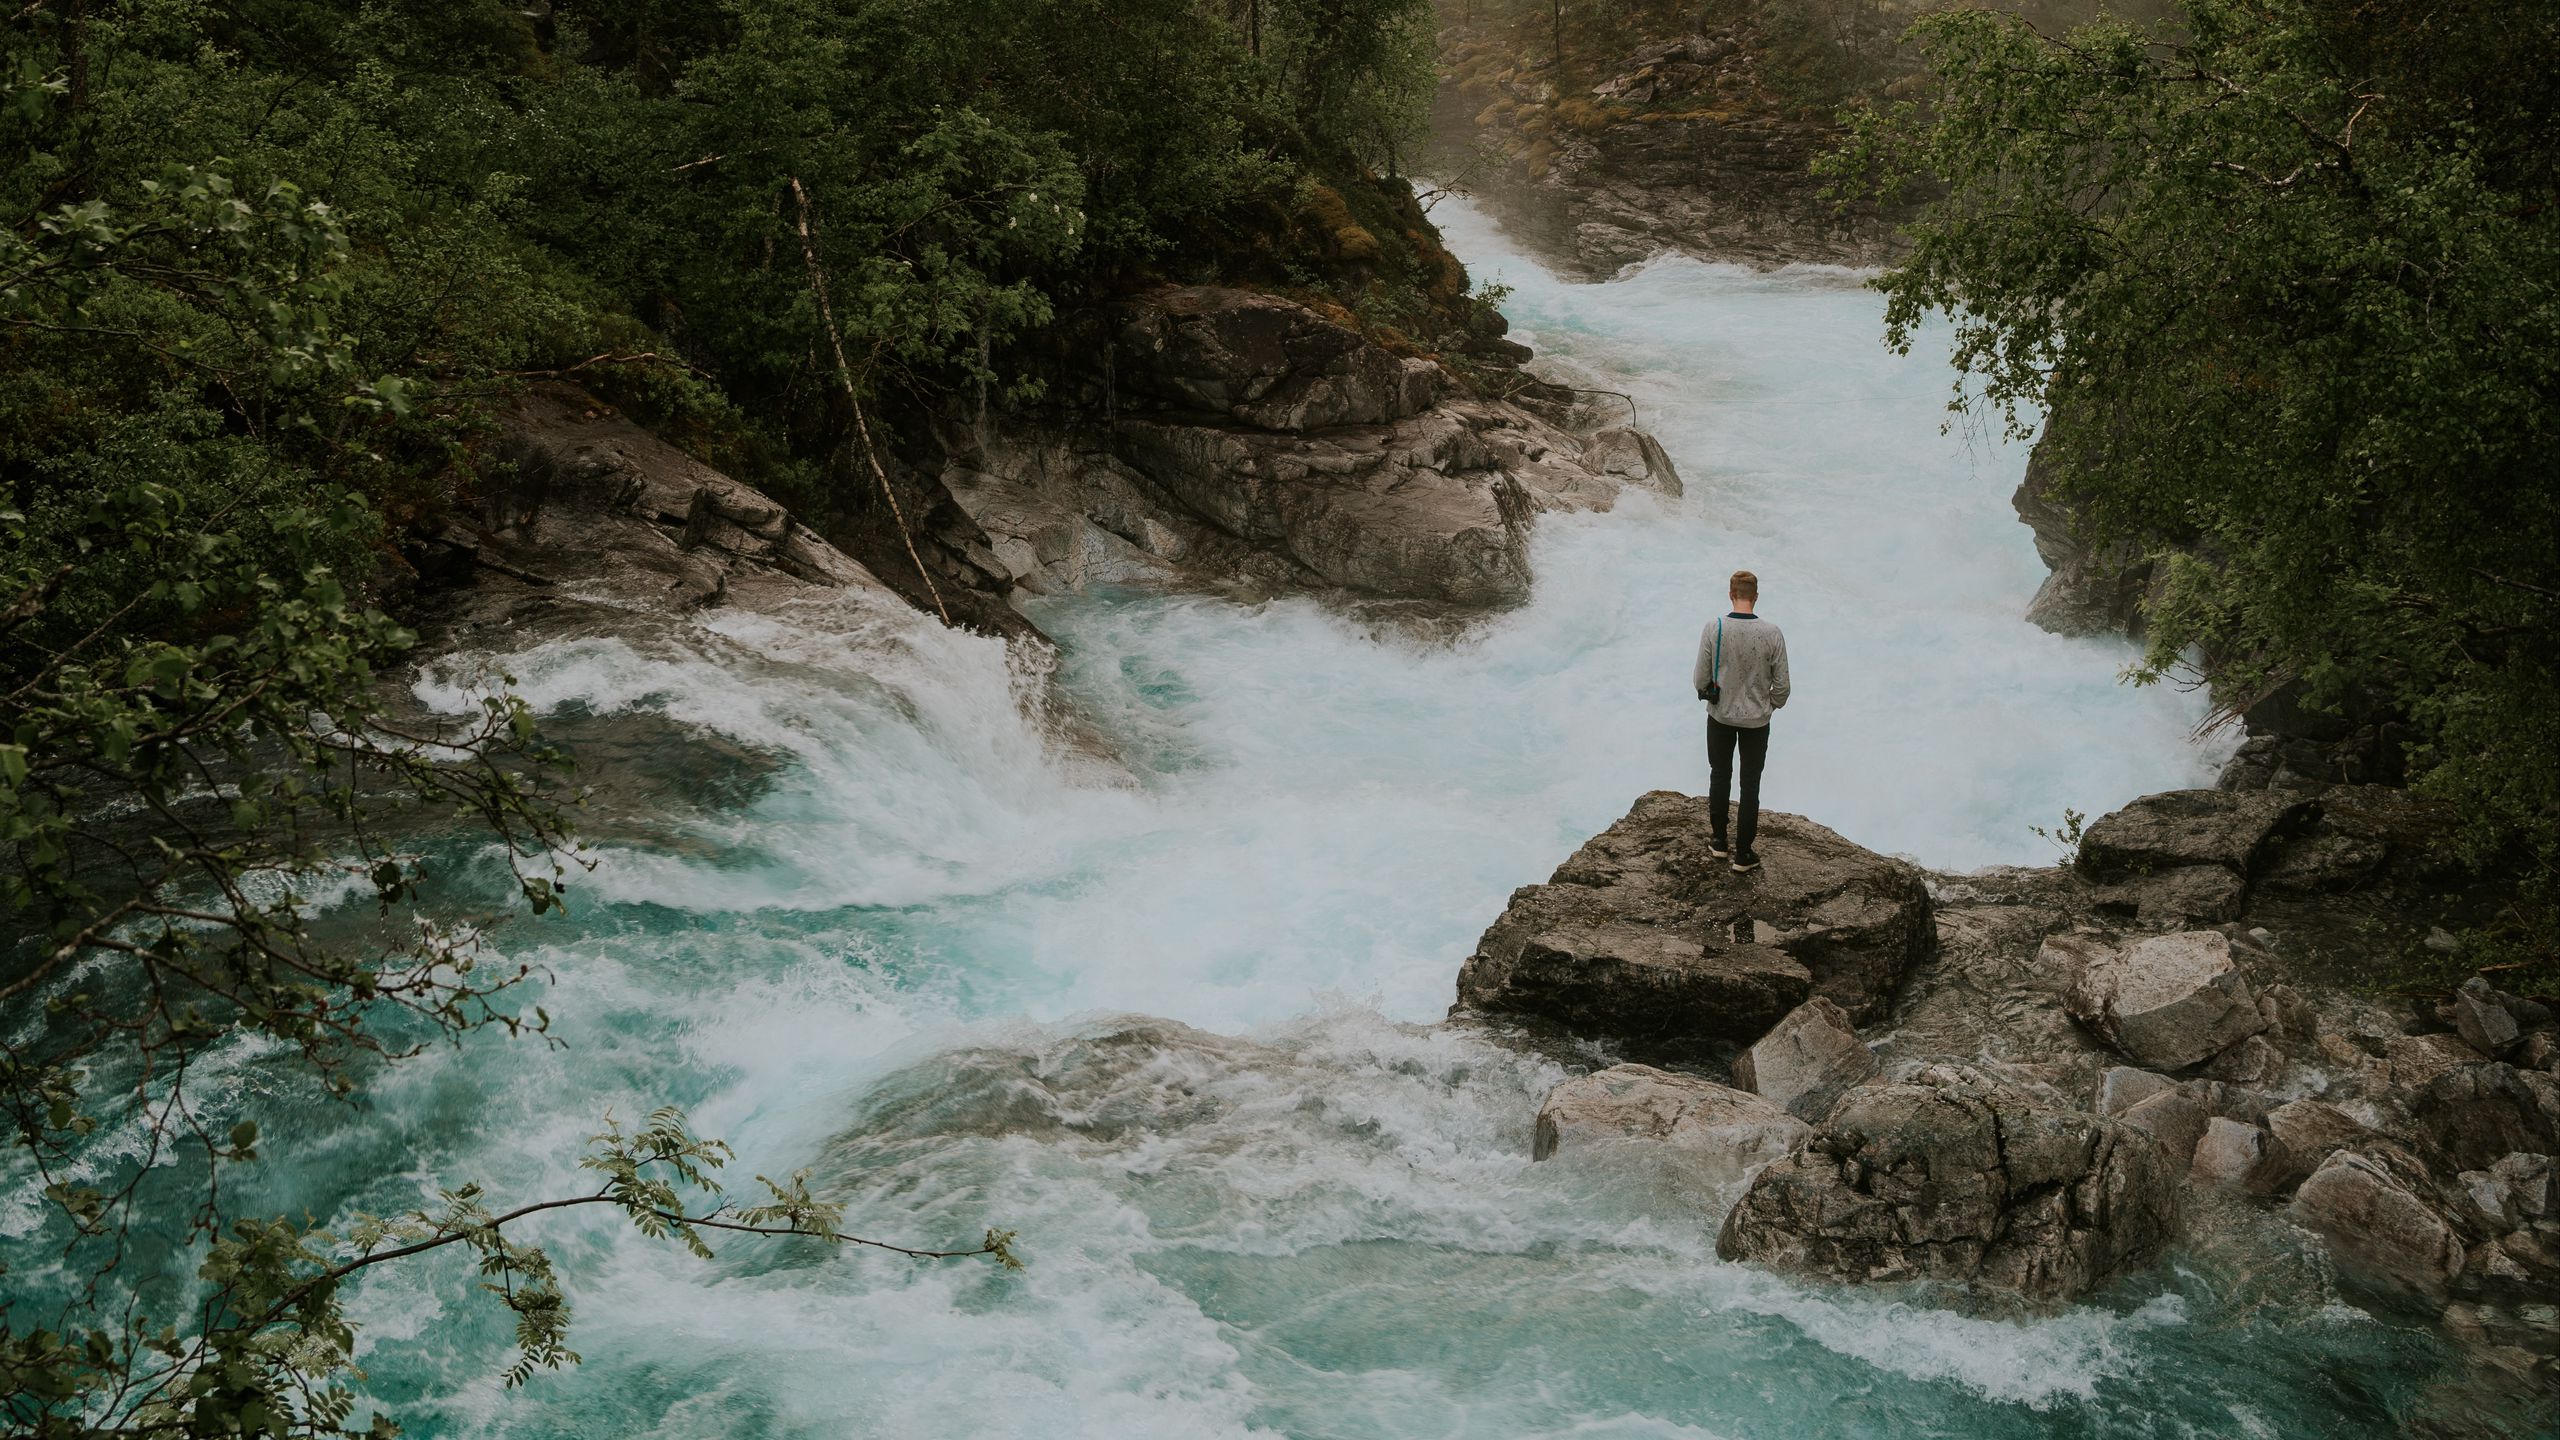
[{"x": 859, "y": 909}]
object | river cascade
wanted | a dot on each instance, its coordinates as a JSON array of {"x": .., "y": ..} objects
[{"x": 1166, "y": 1006}]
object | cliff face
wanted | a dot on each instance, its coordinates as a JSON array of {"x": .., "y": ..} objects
[{"x": 1677, "y": 145}]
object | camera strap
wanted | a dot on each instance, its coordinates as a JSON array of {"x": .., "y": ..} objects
[{"x": 1715, "y": 673}]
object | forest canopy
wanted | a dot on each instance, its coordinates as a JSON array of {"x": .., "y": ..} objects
[{"x": 2285, "y": 276}]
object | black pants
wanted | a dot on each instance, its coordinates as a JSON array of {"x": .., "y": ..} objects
[{"x": 1755, "y": 753}]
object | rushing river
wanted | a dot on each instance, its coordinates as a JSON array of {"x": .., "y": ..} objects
[{"x": 856, "y": 913}]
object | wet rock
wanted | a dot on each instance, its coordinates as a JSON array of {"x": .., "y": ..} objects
[
  {"x": 2176, "y": 1121},
  {"x": 1716, "y": 1130},
  {"x": 1643, "y": 935},
  {"x": 2373, "y": 1210},
  {"x": 1807, "y": 1061},
  {"x": 2178, "y": 828},
  {"x": 2122, "y": 1087},
  {"x": 1633, "y": 456},
  {"x": 2241, "y": 1157},
  {"x": 2167, "y": 1002},
  {"x": 1950, "y": 1176},
  {"x": 2473, "y": 1114}
]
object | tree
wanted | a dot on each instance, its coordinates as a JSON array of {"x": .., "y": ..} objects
[
  {"x": 269, "y": 272},
  {"x": 197, "y": 741},
  {"x": 2281, "y": 279}
]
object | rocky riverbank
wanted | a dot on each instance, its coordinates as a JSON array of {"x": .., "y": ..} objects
[
  {"x": 2023, "y": 1084},
  {"x": 1678, "y": 143},
  {"x": 1211, "y": 437},
  {"x": 1236, "y": 439}
]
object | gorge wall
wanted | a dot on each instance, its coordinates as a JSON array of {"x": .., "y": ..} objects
[{"x": 1678, "y": 143}]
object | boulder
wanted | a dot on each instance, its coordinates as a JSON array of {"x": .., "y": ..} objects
[
  {"x": 1633, "y": 456},
  {"x": 2241, "y": 1157},
  {"x": 2514, "y": 1192},
  {"x": 2231, "y": 1102},
  {"x": 2167, "y": 1002},
  {"x": 2473, "y": 1114},
  {"x": 2413, "y": 1062},
  {"x": 1950, "y": 1176},
  {"x": 2254, "y": 1061},
  {"x": 2482, "y": 1019},
  {"x": 1643, "y": 935},
  {"x": 1807, "y": 1061},
  {"x": 2373, "y": 1210},
  {"x": 2313, "y": 1130},
  {"x": 2176, "y": 1121},
  {"x": 2122, "y": 1087},
  {"x": 1716, "y": 1130},
  {"x": 2177, "y": 828},
  {"x": 2539, "y": 1051},
  {"x": 2186, "y": 895},
  {"x": 1569, "y": 961}
]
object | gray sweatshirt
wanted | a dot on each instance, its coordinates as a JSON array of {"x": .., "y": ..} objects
[{"x": 1755, "y": 670}]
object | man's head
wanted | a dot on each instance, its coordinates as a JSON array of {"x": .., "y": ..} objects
[{"x": 1745, "y": 590}]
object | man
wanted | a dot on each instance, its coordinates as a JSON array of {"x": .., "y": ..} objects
[{"x": 1742, "y": 675}]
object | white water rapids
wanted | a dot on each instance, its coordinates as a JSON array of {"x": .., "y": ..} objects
[{"x": 870, "y": 922}]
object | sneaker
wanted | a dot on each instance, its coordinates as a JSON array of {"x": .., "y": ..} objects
[
  {"x": 1746, "y": 862},
  {"x": 1719, "y": 849}
]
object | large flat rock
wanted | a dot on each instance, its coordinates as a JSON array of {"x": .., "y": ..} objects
[
  {"x": 2179, "y": 828},
  {"x": 1643, "y": 935}
]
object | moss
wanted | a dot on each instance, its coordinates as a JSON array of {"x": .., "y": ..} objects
[
  {"x": 1584, "y": 115},
  {"x": 1339, "y": 232}
]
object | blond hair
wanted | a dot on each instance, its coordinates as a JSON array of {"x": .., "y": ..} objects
[{"x": 1746, "y": 586}]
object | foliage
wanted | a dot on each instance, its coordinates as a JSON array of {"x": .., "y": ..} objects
[
  {"x": 2283, "y": 281},
  {"x": 2064, "y": 837},
  {"x": 269, "y": 270},
  {"x": 1810, "y": 56}
]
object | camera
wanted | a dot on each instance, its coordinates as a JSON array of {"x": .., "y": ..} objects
[{"x": 1715, "y": 693}]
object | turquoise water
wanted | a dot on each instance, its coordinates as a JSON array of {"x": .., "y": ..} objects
[{"x": 859, "y": 909}]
